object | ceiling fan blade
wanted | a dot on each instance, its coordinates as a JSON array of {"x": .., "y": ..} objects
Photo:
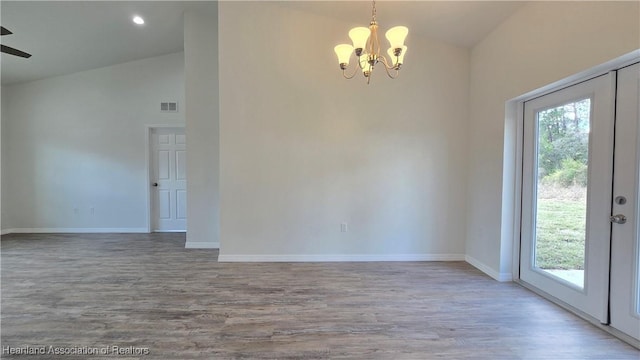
[
  {"x": 4, "y": 31},
  {"x": 12, "y": 51}
]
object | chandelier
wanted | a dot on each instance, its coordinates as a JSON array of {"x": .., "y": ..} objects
[{"x": 367, "y": 49}]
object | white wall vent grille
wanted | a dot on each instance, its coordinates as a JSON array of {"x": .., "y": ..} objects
[{"x": 169, "y": 106}]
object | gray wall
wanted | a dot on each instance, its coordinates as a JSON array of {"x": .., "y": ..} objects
[
  {"x": 303, "y": 150},
  {"x": 78, "y": 142},
  {"x": 201, "y": 82},
  {"x": 541, "y": 43}
]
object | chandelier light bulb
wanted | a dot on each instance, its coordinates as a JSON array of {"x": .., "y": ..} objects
[
  {"x": 359, "y": 36},
  {"x": 399, "y": 59},
  {"x": 343, "y": 51},
  {"x": 364, "y": 62},
  {"x": 396, "y": 36}
]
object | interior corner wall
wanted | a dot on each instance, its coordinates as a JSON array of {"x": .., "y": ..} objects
[
  {"x": 74, "y": 146},
  {"x": 202, "y": 119},
  {"x": 541, "y": 43},
  {"x": 302, "y": 150}
]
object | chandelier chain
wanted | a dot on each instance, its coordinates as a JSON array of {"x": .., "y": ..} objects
[{"x": 373, "y": 11}]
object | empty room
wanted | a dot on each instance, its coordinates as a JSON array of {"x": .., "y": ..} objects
[{"x": 320, "y": 179}]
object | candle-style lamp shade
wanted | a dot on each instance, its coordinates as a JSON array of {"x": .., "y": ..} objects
[
  {"x": 399, "y": 59},
  {"x": 343, "y": 51},
  {"x": 396, "y": 36},
  {"x": 359, "y": 36}
]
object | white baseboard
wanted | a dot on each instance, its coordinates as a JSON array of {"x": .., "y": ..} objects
[
  {"x": 201, "y": 245},
  {"x": 74, "y": 230},
  {"x": 502, "y": 277},
  {"x": 338, "y": 257},
  {"x": 6, "y": 231}
]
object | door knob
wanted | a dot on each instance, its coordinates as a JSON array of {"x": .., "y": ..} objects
[
  {"x": 155, "y": 184},
  {"x": 618, "y": 219}
]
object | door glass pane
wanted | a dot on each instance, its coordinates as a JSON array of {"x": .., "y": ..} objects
[{"x": 563, "y": 144}]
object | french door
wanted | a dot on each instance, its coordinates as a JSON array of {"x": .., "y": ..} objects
[
  {"x": 579, "y": 238},
  {"x": 625, "y": 239}
]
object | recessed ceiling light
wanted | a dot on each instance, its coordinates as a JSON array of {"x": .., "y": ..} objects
[{"x": 138, "y": 20}]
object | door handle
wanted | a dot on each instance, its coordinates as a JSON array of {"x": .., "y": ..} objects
[
  {"x": 618, "y": 219},
  {"x": 155, "y": 184}
]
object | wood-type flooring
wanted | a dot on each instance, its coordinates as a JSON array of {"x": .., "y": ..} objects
[{"x": 144, "y": 296}]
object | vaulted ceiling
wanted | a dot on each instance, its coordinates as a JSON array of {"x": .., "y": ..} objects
[
  {"x": 462, "y": 23},
  {"x": 71, "y": 36}
]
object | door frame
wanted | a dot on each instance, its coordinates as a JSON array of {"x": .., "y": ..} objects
[
  {"x": 593, "y": 296},
  {"x": 147, "y": 148},
  {"x": 513, "y": 173},
  {"x": 514, "y": 145}
]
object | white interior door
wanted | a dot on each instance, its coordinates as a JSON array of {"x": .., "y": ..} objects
[
  {"x": 168, "y": 179},
  {"x": 566, "y": 198},
  {"x": 625, "y": 252}
]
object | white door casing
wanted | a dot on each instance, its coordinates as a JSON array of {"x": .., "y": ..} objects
[{"x": 168, "y": 180}]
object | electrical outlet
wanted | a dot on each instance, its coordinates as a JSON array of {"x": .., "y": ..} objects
[
  {"x": 92, "y": 211},
  {"x": 76, "y": 210},
  {"x": 344, "y": 227}
]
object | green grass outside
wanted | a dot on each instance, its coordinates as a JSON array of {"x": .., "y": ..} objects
[{"x": 560, "y": 233}]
